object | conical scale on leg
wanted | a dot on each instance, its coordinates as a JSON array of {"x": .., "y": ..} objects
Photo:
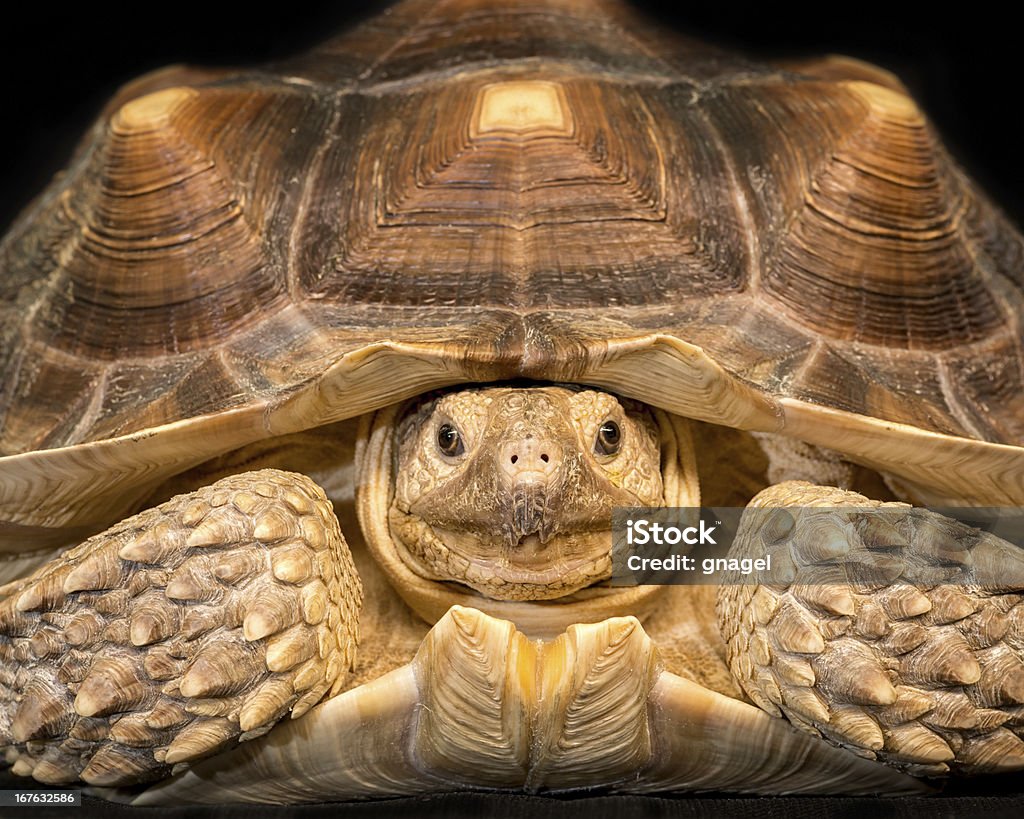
[
  {"x": 162, "y": 677},
  {"x": 101, "y": 570},
  {"x": 113, "y": 684},
  {"x": 221, "y": 668},
  {"x": 44, "y": 711},
  {"x": 273, "y": 612},
  {"x": 154, "y": 619},
  {"x": 43, "y": 595}
]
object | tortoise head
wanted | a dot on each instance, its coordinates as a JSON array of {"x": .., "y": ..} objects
[
  {"x": 504, "y": 495},
  {"x": 510, "y": 491}
]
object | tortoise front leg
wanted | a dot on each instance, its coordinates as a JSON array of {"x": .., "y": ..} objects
[
  {"x": 177, "y": 633},
  {"x": 875, "y": 632}
]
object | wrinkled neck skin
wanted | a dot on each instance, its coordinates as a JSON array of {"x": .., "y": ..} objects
[{"x": 500, "y": 498}]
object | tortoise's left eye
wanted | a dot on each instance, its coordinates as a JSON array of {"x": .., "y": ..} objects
[
  {"x": 449, "y": 441},
  {"x": 609, "y": 438}
]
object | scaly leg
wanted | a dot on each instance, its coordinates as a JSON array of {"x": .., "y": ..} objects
[
  {"x": 177, "y": 633},
  {"x": 890, "y": 630}
]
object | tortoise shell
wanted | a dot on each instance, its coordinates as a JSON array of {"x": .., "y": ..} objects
[{"x": 457, "y": 192}]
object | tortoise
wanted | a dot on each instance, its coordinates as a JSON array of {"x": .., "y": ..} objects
[{"x": 476, "y": 275}]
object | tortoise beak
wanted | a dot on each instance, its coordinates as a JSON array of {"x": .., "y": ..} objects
[
  {"x": 529, "y": 503},
  {"x": 531, "y": 472}
]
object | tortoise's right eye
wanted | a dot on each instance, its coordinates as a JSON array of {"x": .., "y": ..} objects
[
  {"x": 609, "y": 438},
  {"x": 449, "y": 441}
]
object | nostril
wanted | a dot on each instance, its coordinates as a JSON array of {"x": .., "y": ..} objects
[
  {"x": 515, "y": 458},
  {"x": 544, "y": 457}
]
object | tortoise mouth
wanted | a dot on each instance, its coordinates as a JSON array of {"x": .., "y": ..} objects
[
  {"x": 527, "y": 568},
  {"x": 530, "y": 551}
]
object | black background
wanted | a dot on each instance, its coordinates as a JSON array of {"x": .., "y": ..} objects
[{"x": 58, "y": 66}]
